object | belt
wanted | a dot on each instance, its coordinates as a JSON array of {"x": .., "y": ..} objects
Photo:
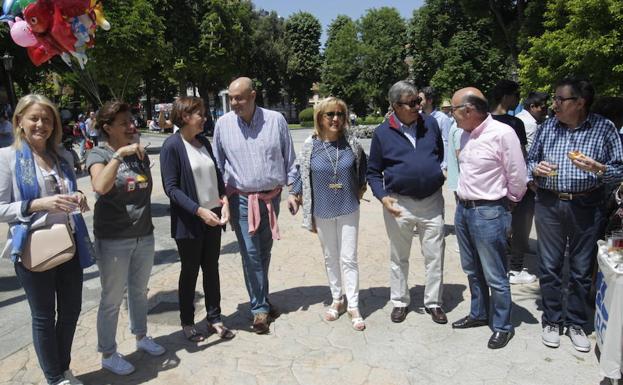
[
  {"x": 568, "y": 196},
  {"x": 482, "y": 202}
]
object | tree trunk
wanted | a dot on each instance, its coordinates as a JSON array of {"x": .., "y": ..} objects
[{"x": 148, "y": 92}]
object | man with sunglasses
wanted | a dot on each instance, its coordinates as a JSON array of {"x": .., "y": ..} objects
[
  {"x": 404, "y": 172},
  {"x": 493, "y": 172},
  {"x": 574, "y": 154}
]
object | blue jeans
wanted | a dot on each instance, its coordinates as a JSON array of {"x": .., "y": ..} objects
[
  {"x": 55, "y": 300},
  {"x": 577, "y": 221},
  {"x": 482, "y": 234},
  {"x": 122, "y": 262},
  {"x": 521, "y": 225},
  {"x": 255, "y": 249}
]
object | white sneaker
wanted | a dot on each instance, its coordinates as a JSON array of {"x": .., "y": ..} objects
[
  {"x": 117, "y": 364},
  {"x": 578, "y": 339},
  {"x": 520, "y": 277},
  {"x": 551, "y": 336},
  {"x": 63, "y": 382},
  {"x": 69, "y": 376},
  {"x": 148, "y": 345}
]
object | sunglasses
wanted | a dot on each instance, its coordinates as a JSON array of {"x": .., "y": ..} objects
[
  {"x": 413, "y": 103},
  {"x": 332, "y": 114}
]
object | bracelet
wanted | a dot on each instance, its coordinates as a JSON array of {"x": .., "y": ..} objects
[{"x": 117, "y": 157}]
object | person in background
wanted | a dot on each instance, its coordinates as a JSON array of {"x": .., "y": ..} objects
[
  {"x": 124, "y": 233},
  {"x": 6, "y": 129},
  {"x": 91, "y": 128},
  {"x": 533, "y": 114},
  {"x": 331, "y": 183},
  {"x": 199, "y": 212},
  {"x": 430, "y": 106},
  {"x": 54, "y": 295}
]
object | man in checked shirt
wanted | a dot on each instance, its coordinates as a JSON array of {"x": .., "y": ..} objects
[{"x": 573, "y": 156}]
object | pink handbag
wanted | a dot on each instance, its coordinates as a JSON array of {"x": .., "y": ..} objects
[{"x": 48, "y": 247}]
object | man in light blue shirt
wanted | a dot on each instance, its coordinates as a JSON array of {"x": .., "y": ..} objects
[
  {"x": 430, "y": 103},
  {"x": 254, "y": 151}
]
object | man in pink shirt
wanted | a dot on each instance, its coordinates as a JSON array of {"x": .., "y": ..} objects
[{"x": 493, "y": 174}]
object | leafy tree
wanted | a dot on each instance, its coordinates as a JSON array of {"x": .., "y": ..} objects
[
  {"x": 470, "y": 60},
  {"x": 268, "y": 55},
  {"x": 383, "y": 33},
  {"x": 302, "y": 38},
  {"x": 342, "y": 64},
  {"x": 429, "y": 33},
  {"x": 583, "y": 38},
  {"x": 122, "y": 55}
]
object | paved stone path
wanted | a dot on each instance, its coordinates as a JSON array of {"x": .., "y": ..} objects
[{"x": 302, "y": 348}]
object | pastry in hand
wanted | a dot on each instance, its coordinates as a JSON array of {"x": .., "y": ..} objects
[{"x": 575, "y": 155}]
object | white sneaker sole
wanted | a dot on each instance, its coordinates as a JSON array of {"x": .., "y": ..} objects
[
  {"x": 581, "y": 348},
  {"x": 550, "y": 343}
]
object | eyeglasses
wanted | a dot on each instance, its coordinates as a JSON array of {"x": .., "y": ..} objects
[
  {"x": 560, "y": 99},
  {"x": 332, "y": 114},
  {"x": 413, "y": 103}
]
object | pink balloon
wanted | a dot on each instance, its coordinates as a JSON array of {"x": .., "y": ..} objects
[{"x": 21, "y": 33}]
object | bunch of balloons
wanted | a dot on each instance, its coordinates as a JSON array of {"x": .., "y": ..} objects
[{"x": 54, "y": 27}]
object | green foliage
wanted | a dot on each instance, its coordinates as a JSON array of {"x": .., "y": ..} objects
[
  {"x": 307, "y": 114},
  {"x": 582, "y": 38},
  {"x": 470, "y": 60},
  {"x": 373, "y": 120},
  {"x": 303, "y": 59},
  {"x": 343, "y": 64},
  {"x": 383, "y": 34},
  {"x": 268, "y": 55}
]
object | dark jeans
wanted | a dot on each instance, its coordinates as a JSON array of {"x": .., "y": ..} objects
[
  {"x": 521, "y": 225},
  {"x": 52, "y": 292},
  {"x": 579, "y": 222},
  {"x": 255, "y": 249},
  {"x": 482, "y": 236},
  {"x": 202, "y": 252}
]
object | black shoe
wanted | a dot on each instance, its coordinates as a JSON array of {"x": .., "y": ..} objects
[
  {"x": 399, "y": 314},
  {"x": 437, "y": 314},
  {"x": 467, "y": 322},
  {"x": 499, "y": 339}
]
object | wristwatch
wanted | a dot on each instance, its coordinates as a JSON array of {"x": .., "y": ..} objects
[
  {"x": 600, "y": 172},
  {"x": 117, "y": 157}
]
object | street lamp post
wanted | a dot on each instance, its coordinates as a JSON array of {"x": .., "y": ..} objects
[{"x": 7, "y": 62}]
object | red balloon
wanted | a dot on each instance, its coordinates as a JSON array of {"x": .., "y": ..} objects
[
  {"x": 41, "y": 53},
  {"x": 61, "y": 32},
  {"x": 71, "y": 8},
  {"x": 39, "y": 15}
]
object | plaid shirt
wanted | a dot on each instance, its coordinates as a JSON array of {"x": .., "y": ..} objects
[{"x": 596, "y": 137}]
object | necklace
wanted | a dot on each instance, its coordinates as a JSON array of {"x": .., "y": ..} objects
[{"x": 335, "y": 185}]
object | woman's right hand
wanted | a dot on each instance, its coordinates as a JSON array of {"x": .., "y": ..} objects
[
  {"x": 208, "y": 217},
  {"x": 55, "y": 203}
]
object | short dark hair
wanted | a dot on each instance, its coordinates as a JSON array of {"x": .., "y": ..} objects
[
  {"x": 477, "y": 102},
  {"x": 186, "y": 104},
  {"x": 610, "y": 107},
  {"x": 108, "y": 113},
  {"x": 502, "y": 88},
  {"x": 580, "y": 88},
  {"x": 431, "y": 94},
  {"x": 536, "y": 98}
]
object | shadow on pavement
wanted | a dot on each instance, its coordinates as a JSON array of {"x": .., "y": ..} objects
[{"x": 148, "y": 367}]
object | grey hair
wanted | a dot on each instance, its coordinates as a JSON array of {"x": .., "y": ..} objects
[
  {"x": 400, "y": 89},
  {"x": 478, "y": 103}
]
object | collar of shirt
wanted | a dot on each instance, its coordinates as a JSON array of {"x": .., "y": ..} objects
[
  {"x": 586, "y": 124},
  {"x": 254, "y": 118},
  {"x": 478, "y": 130},
  {"x": 404, "y": 127}
]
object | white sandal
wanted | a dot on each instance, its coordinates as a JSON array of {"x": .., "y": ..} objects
[
  {"x": 334, "y": 311},
  {"x": 357, "y": 320}
]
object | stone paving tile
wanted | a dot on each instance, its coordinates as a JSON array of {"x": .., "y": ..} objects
[{"x": 303, "y": 349}]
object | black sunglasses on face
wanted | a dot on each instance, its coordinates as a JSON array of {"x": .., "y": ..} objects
[
  {"x": 413, "y": 103},
  {"x": 332, "y": 114}
]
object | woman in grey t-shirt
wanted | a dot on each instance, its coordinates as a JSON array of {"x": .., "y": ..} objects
[{"x": 124, "y": 240}]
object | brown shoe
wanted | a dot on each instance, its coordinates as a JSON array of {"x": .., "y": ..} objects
[
  {"x": 260, "y": 323},
  {"x": 437, "y": 314}
]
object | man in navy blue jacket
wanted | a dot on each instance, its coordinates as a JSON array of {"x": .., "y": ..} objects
[{"x": 404, "y": 172}]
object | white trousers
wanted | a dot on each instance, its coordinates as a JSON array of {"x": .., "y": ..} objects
[
  {"x": 338, "y": 238},
  {"x": 427, "y": 215}
]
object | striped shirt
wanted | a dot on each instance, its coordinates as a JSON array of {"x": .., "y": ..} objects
[
  {"x": 254, "y": 157},
  {"x": 596, "y": 138}
]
